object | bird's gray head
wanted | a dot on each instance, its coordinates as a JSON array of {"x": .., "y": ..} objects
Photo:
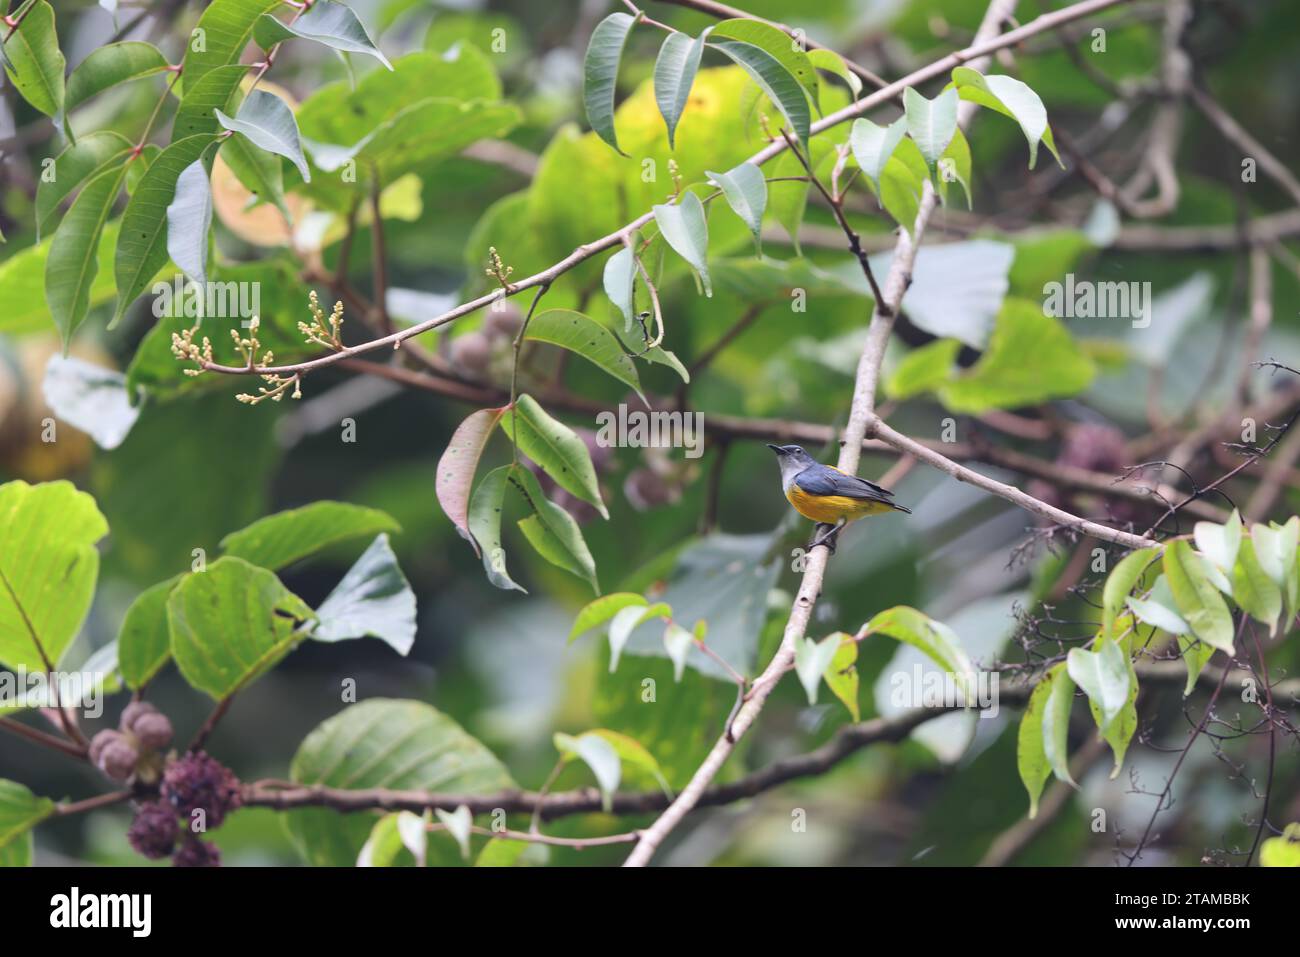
[{"x": 792, "y": 460}]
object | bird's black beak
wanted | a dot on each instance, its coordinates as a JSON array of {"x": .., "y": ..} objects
[{"x": 776, "y": 448}]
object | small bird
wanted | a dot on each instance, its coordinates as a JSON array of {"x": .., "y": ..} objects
[{"x": 827, "y": 495}]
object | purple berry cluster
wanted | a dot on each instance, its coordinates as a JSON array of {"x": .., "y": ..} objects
[{"x": 194, "y": 782}]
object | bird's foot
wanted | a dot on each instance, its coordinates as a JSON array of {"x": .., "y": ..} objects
[{"x": 827, "y": 537}]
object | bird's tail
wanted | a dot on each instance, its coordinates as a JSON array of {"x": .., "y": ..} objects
[{"x": 901, "y": 508}]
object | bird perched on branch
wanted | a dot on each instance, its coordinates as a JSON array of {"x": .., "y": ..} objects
[{"x": 830, "y": 497}]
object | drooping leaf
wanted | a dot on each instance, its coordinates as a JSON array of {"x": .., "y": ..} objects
[
  {"x": 1012, "y": 98},
  {"x": 832, "y": 62},
  {"x": 812, "y": 659},
  {"x": 1158, "y": 609},
  {"x": 675, "y": 68},
  {"x": 618, "y": 278},
  {"x": 456, "y": 468},
  {"x": 933, "y": 638},
  {"x": 92, "y": 154},
  {"x": 110, "y": 65},
  {"x": 383, "y": 743},
  {"x": 599, "y": 755},
  {"x": 589, "y": 339},
  {"x": 279, "y": 540},
  {"x": 551, "y": 530},
  {"x": 1120, "y": 584},
  {"x": 144, "y": 641},
  {"x": 142, "y": 243},
  {"x": 189, "y": 221},
  {"x": 485, "y": 526},
  {"x": 556, "y": 448},
  {"x": 1056, "y": 722},
  {"x": 268, "y": 123},
  {"x": 1103, "y": 674},
  {"x": 955, "y": 166},
  {"x": 1031, "y": 758},
  {"x": 219, "y": 89},
  {"x": 1253, "y": 590},
  {"x": 91, "y": 398},
  {"x": 621, "y": 626},
  {"x": 842, "y": 674},
  {"x": 686, "y": 230},
  {"x": 332, "y": 24},
  {"x": 1219, "y": 543},
  {"x": 774, "y": 79},
  {"x": 873, "y": 145},
  {"x": 931, "y": 123},
  {"x": 48, "y": 569},
  {"x": 1198, "y": 601},
  {"x": 678, "y": 643},
  {"x": 35, "y": 62},
  {"x": 373, "y": 600},
  {"x": 73, "y": 261},
  {"x": 745, "y": 190},
  {"x": 232, "y": 623},
  {"x": 600, "y": 73}
]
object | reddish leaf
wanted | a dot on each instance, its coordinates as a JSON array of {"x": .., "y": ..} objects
[{"x": 457, "y": 466}]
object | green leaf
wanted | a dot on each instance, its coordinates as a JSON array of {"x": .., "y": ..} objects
[
  {"x": 326, "y": 22},
  {"x": 279, "y": 540},
  {"x": 1012, "y": 98},
  {"x": 1282, "y": 851},
  {"x": 1056, "y": 722},
  {"x": 745, "y": 190},
  {"x": 1120, "y": 583},
  {"x": 20, "y": 811},
  {"x": 774, "y": 79},
  {"x": 624, "y": 622},
  {"x": 110, "y": 65},
  {"x": 1104, "y": 676},
  {"x": 1219, "y": 543},
  {"x": 678, "y": 643},
  {"x": 48, "y": 569},
  {"x": 686, "y": 230},
  {"x": 551, "y": 530},
  {"x": 232, "y": 623},
  {"x": 144, "y": 642},
  {"x": 633, "y": 754},
  {"x": 776, "y": 43},
  {"x": 924, "y": 369},
  {"x": 599, "y": 755},
  {"x": 142, "y": 243},
  {"x": 1198, "y": 601},
  {"x": 556, "y": 448},
  {"x": 1030, "y": 358},
  {"x": 383, "y": 743},
  {"x": 268, "y": 123},
  {"x": 1157, "y": 610},
  {"x": 812, "y": 659},
  {"x": 675, "y": 67},
  {"x": 456, "y": 468},
  {"x": 788, "y": 194},
  {"x": 955, "y": 164},
  {"x": 1252, "y": 589},
  {"x": 220, "y": 36},
  {"x": 832, "y": 62},
  {"x": 931, "y": 123},
  {"x": 618, "y": 277},
  {"x": 900, "y": 192},
  {"x": 1031, "y": 758},
  {"x": 18, "y": 852},
  {"x": 485, "y": 526},
  {"x": 602, "y": 610},
  {"x": 1119, "y": 732},
  {"x": 189, "y": 221},
  {"x": 873, "y": 145},
  {"x": 36, "y": 64},
  {"x": 73, "y": 261},
  {"x": 933, "y": 638},
  {"x": 1196, "y": 655},
  {"x": 589, "y": 339},
  {"x": 373, "y": 600},
  {"x": 218, "y": 90},
  {"x": 92, "y": 154},
  {"x": 600, "y": 74},
  {"x": 1275, "y": 547},
  {"x": 842, "y": 674}
]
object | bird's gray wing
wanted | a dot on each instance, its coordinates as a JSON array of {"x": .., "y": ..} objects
[{"x": 824, "y": 480}]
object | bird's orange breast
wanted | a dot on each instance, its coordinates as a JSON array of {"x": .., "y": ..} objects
[{"x": 831, "y": 508}]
